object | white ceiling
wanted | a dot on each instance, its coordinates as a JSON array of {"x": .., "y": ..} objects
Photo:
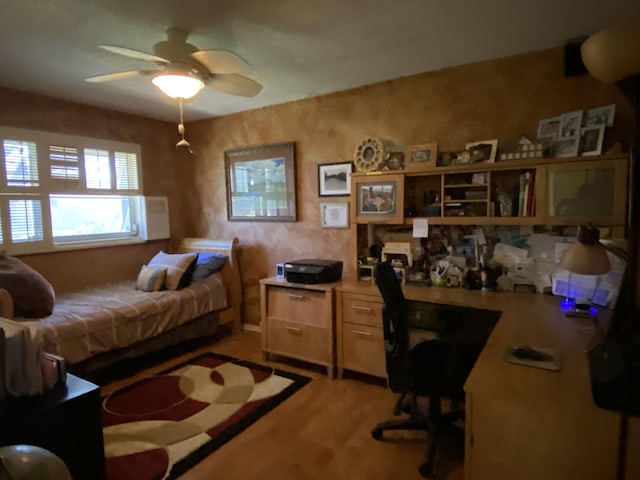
[{"x": 298, "y": 48}]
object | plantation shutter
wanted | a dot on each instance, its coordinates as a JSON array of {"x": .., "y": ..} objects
[
  {"x": 97, "y": 168},
  {"x": 64, "y": 163},
  {"x": 26, "y": 220},
  {"x": 126, "y": 171},
  {"x": 20, "y": 164}
]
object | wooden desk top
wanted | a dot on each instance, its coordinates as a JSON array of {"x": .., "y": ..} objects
[{"x": 530, "y": 422}]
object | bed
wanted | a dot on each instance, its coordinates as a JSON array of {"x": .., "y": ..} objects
[{"x": 100, "y": 325}]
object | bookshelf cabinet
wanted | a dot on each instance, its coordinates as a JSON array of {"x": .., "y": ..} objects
[{"x": 519, "y": 192}]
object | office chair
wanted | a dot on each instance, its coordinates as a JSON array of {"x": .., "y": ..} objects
[{"x": 434, "y": 368}]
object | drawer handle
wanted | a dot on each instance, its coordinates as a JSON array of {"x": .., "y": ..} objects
[
  {"x": 363, "y": 309},
  {"x": 294, "y": 329},
  {"x": 293, "y": 296},
  {"x": 360, "y": 332}
]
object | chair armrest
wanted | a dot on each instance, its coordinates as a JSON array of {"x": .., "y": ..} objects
[{"x": 6, "y": 304}]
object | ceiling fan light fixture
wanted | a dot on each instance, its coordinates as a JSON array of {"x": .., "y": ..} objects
[{"x": 178, "y": 85}]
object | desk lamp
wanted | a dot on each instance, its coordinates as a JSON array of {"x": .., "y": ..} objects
[{"x": 587, "y": 256}]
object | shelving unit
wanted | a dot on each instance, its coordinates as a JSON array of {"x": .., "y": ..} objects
[{"x": 516, "y": 192}]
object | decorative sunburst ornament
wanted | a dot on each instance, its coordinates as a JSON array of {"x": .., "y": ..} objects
[{"x": 369, "y": 155}]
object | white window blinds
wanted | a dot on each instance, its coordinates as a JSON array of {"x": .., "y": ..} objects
[
  {"x": 20, "y": 163},
  {"x": 26, "y": 220}
]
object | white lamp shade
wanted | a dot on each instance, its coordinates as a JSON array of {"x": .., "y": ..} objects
[
  {"x": 586, "y": 259},
  {"x": 178, "y": 86},
  {"x": 614, "y": 53}
]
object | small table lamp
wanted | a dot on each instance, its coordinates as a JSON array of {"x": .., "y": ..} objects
[{"x": 587, "y": 256}]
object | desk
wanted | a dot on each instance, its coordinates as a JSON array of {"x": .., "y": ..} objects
[
  {"x": 65, "y": 420},
  {"x": 523, "y": 422}
]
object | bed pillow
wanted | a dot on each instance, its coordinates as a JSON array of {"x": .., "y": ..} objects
[
  {"x": 207, "y": 264},
  {"x": 33, "y": 296},
  {"x": 151, "y": 279},
  {"x": 179, "y": 267}
]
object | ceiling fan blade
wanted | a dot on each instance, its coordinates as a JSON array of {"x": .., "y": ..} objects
[
  {"x": 128, "y": 52},
  {"x": 118, "y": 76},
  {"x": 235, "y": 85},
  {"x": 221, "y": 61}
]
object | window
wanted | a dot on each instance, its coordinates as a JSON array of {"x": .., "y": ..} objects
[{"x": 60, "y": 190}]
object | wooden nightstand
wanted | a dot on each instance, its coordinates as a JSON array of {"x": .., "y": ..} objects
[
  {"x": 298, "y": 321},
  {"x": 66, "y": 420}
]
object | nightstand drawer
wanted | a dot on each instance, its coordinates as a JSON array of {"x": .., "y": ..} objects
[
  {"x": 298, "y": 305},
  {"x": 299, "y": 340},
  {"x": 362, "y": 312},
  {"x": 363, "y": 349}
]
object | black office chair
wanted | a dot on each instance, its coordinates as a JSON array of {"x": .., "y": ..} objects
[{"x": 434, "y": 368}]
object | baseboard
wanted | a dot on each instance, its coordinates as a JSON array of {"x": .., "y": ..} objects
[{"x": 251, "y": 327}]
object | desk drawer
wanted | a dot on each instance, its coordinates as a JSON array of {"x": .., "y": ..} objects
[
  {"x": 362, "y": 312},
  {"x": 299, "y": 305},
  {"x": 363, "y": 349},
  {"x": 299, "y": 340}
]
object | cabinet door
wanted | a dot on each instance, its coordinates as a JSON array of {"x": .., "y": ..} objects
[{"x": 587, "y": 192}]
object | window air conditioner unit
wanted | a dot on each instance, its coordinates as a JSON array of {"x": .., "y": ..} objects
[{"x": 155, "y": 218}]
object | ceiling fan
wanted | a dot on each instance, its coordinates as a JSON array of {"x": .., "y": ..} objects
[{"x": 175, "y": 57}]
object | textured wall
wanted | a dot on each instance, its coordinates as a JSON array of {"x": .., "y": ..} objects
[
  {"x": 498, "y": 99},
  {"x": 160, "y": 162}
]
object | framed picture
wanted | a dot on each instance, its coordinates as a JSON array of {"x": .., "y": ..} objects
[
  {"x": 567, "y": 147},
  {"x": 261, "y": 183},
  {"x": 334, "y": 215},
  {"x": 378, "y": 199},
  {"x": 334, "y": 179},
  {"x": 570, "y": 124},
  {"x": 482, "y": 152},
  {"x": 591, "y": 140},
  {"x": 421, "y": 157},
  {"x": 600, "y": 116},
  {"x": 549, "y": 128}
]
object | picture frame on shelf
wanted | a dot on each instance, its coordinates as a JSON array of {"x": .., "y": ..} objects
[
  {"x": 334, "y": 179},
  {"x": 570, "y": 124},
  {"x": 566, "y": 147},
  {"x": 600, "y": 116},
  {"x": 378, "y": 198},
  {"x": 549, "y": 128},
  {"x": 421, "y": 157},
  {"x": 334, "y": 214},
  {"x": 591, "y": 139},
  {"x": 482, "y": 152},
  {"x": 260, "y": 183}
]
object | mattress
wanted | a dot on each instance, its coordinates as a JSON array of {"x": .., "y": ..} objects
[{"x": 112, "y": 316}]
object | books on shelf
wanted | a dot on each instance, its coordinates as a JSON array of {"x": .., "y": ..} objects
[{"x": 524, "y": 195}]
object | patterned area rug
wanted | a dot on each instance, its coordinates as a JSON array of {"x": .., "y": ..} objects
[{"x": 161, "y": 426}]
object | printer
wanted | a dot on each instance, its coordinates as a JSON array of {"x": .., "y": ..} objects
[{"x": 313, "y": 270}]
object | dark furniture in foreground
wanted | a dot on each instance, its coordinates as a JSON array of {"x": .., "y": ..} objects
[
  {"x": 66, "y": 420},
  {"x": 435, "y": 368}
]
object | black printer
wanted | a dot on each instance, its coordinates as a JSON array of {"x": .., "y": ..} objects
[{"x": 313, "y": 270}]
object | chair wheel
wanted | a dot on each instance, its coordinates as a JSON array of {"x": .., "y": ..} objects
[
  {"x": 426, "y": 470},
  {"x": 376, "y": 433}
]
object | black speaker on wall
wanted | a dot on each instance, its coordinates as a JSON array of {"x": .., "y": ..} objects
[{"x": 573, "y": 64}]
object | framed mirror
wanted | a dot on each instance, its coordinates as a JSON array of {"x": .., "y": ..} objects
[{"x": 261, "y": 183}]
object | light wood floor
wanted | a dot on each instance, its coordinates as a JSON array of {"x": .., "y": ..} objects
[{"x": 322, "y": 431}]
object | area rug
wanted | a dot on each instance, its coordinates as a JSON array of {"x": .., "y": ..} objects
[{"x": 161, "y": 426}]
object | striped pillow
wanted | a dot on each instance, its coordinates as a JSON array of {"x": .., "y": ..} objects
[
  {"x": 179, "y": 267},
  {"x": 151, "y": 279}
]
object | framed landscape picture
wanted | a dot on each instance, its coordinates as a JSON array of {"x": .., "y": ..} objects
[
  {"x": 261, "y": 183},
  {"x": 334, "y": 179}
]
